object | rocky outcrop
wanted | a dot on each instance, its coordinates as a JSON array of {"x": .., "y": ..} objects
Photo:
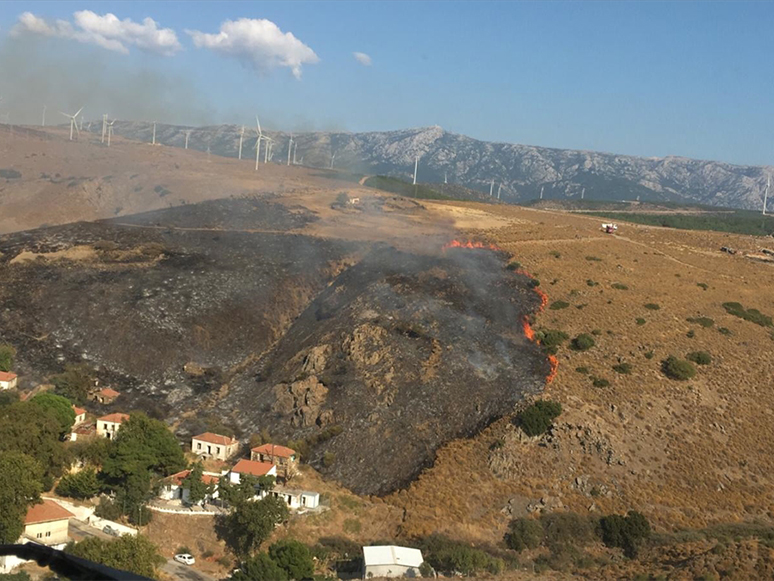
[{"x": 302, "y": 400}]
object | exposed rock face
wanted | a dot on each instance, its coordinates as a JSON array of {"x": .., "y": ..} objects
[
  {"x": 521, "y": 169},
  {"x": 303, "y": 401}
]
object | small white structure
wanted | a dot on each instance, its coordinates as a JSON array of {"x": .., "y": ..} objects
[
  {"x": 8, "y": 380},
  {"x": 80, "y": 416},
  {"x": 47, "y": 524},
  {"x": 215, "y": 446},
  {"x": 297, "y": 499},
  {"x": 107, "y": 426},
  {"x": 174, "y": 488},
  {"x": 257, "y": 469},
  {"x": 391, "y": 561}
]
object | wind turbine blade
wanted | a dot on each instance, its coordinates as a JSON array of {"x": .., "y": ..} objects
[
  {"x": 258, "y": 123},
  {"x": 79, "y": 112},
  {"x": 66, "y": 114}
]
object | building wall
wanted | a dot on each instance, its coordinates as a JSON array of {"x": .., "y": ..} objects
[
  {"x": 107, "y": 429},
  {"x": 9, "y": 384},
  {"x": 217, "y": 451},
  {"x": 390, "y": 571},
  {"x": 48, "y": 533}
]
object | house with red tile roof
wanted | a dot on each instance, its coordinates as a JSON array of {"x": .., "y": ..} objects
[
  {"x": 80, "y": 415},
  {"x": 215, "y": 446},
  {"x": 108, "y": 426},
  {"x": 257, "y": 469},
  {"x": 8, "y": 380},
  {"x": 174, "y": 486},
  {"x": 286, "y": 459},
  {"x": 106, "y": 395},
  {"x": 46, "y": 523}
]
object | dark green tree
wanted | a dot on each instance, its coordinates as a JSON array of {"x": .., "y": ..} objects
[
  {"x": 260, "y": 568},
  {"x": 20, "y": 487},
  {"x": 626, "y": 532},
  {"x": 58, "y": 407},
  {"x": 136, "y": 554},
  {"x": 678, "y": 369},
  {"x": 293, "y": 557},
  {"x": 35, "y": 431},
  {"x": 235, "y": 494},
  {"x": 537, "y": 418},
  {"x": 80, "y": 485},
  {"x": 74, "y": 382},
  {"x": 197, "y": 489},
  {"x": 524, "y": 533},
  {"x": 252, "y": 522},
  {"x": 7, "y": 356}
]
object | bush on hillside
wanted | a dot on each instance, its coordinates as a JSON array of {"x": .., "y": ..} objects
[
  {"x": 752, "y": 315},
  {"x": 557, "y": 305},
  {"x": 80, "y": 485},
  {"x": 537, "y": 418},
  {"x": 626, "y": 532},
  {"x": 678, "y": 369},
  {"x": 623, "y": 368},
  {"x": 524, "y": 533},
  {"x": 7, "y": 355},
  {"x": 652, "y": 306},
  {"x": 583, "y": 342},
  {"x": 551, "y": 339},
  {"x": 699, "y": 357},
  {"x": 705, "y": 322}
]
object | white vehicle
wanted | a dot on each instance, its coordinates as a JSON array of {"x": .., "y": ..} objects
[{"x": 185, "y": 559}]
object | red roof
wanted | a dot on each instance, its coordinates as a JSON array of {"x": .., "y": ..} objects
[
  {"x": 115, "y": 418},
  {"x": 274, "y": 450},
  {"x": 245, "y": 466},
  {"x": 108, "y": 392},
  {"x": 206, "y": 478},
  {"x": 47, "y": 511},
  {"x": 78, "y": 411},
  {"x": 215, "y": 439},
  {"x": 7, "y": 376}
]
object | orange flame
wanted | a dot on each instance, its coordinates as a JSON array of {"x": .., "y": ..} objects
[
  {"x": 554, "y": 366},
  {"x": 470, "y": 244},
  {"x": 528, "y": 329}
]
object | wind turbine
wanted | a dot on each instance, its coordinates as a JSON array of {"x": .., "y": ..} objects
[
  {"x": 266, "y": 150},
  {"x": 295, "y": 150},
  {"x": 241, "y": 137},
  {"x": 290, "y": 146},
  {"x": 43, "y": 124},
  {"x": 258, "y": 142},
  {"x": 73, "y": 123},
  {"x": 416, "y": 165},
  {"x": 499, "y": 187},
  {"x": 766, "y": 195},
  {"x": 541, "y": 192},
  {"x": 154, "y": 134},
  {"x": 445, "y": 178},
  {"x": 110, "y": 130},
  {"x": 332, "y": 158},
  {"x": 491, "y": 188},
  {"x": 104, "y": 126},
  {"x": 187, "y": 135},
  {"x": 583, "y": 193}
]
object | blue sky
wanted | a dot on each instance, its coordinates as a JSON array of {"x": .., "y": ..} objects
[{"x": 650, "y": 78}]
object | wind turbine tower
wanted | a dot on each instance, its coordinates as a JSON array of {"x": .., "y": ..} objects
[
  {"x": 241, "y": 137},
  {"x": 445, "y": 178},
  {"x": 416, "y": 166},
  {"x": 541, "y": 192},
  {"x": 187, "y": 135},
  {"x": 499, "y": 187},
  {"x": 766, "y": 195},
  {"x": 333, "y": 157},
  {"x": 43, "y": 124},
  {"x": 295, "y": 150},
  {"x": 583, "y": 193},
  {"x": 491, "y": 188},
  {"x": 73, "y": 122},
  {"x": 290, "y": 146},
  {"x": 258, "y": 141},
  {"x": 154, "y": 134},
  {"x": 109, "y": 129},
  {"x": 104, "y": 127}
]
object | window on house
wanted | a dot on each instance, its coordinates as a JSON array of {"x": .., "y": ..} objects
[
  {"x": 198, "y": 445},
  {"x": 48, "y": 533},
  {"x": 106, "y": 426},
  {"x": 39, "y": 535},
  {"x": 217, "y": 450}
]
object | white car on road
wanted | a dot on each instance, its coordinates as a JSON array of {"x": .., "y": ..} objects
[{"x": 185, "y": 559}]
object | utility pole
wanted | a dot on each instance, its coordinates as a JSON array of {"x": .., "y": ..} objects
[{"x": 416, "y": 165}]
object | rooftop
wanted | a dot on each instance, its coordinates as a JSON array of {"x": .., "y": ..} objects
[
  {"x": 115, "y": 418},
  {"x": 47, "y": 511},
  {"x": 392, "y": 555},
  {"x": 7, "y": 376},
  {"x": 245, "y": 466},
  {"x": 274, "y": 450},
  {"x": 207, "y": 477},
  {"x": 108, "y": 392},
  {"x": 78, "y": 411},
  {"x": 215, "y": 439}
]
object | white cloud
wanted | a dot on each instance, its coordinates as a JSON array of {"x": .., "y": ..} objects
[
  {"x": 258, "y": 43},
  {"x": 106, "y": 31},
  {"x": 362, "y": 58}
]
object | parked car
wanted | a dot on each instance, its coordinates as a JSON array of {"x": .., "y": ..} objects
[
  {"x": 108, "y": 530},
  {"x": 185, "y": 559}
]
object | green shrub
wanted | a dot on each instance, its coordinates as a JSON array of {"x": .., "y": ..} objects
[
  {"x": 752, "y": 315},
  {"x": 702, "y": 285},
  {"x": 533, "y": 283},
  {"x": 725, "y": 331},
  {"x": 699, "y": 357},
  {"x": 619, "y": 286},
  {"x": 426, "y": 569},
  {"x": 623, "y": 368},
  {"x": 537, "y": 418},
  {"x": 625, "y": 532},
  {"x": 524, "y": 533},
  {"x": 582, "y": 370},
  {"x": 600, "y": 382},
  {"x": 555, "y": 254},
  {"x": 80, "y": 485},
  {"x": 596, "y": 332},
  {"x": 328, "y": 459},
  {"x": 583, "y": 342},
  {"x": 652, "y": 306},
  {"x": 551, "y": 339},
  {"x": 640, "y": 321},
  {"x": 594, "y": 259},
  {"x": 7, "y": 355},
  {"x": 590, "y": 282},
  {"x": 649, "y": 355},
  {"x": 293, "y": 557},
  {"x": 108, "y": 509},
  {"x": 446, "y": 555},
  {"x": 705, "y": 322},
  {"x": 567, "y": 528},
  {"x": 352, "y": 525},
  {"x": 691, "y": 334},
  {"x": 514, "y": 266},
  {"x": 678, "y": 369},
  {"x": 557, "y": 305}
]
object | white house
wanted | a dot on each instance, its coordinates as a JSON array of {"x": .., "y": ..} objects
[
  {"x": 214, "y": 446},
  {"x": 297, "y": 499},
  {"x": 175, "y": 489},
  {"x": 80, "y": 416},
  {"x": 391, "y": 561},
  {"x": 107, "y": 426},
  {"x": 257, "y": 469},
  {"x": 8, "y": 380},
  {"x": 47, "y": 524}
]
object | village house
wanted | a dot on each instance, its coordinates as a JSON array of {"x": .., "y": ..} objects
[
  {"x": 80, "y": 416},
  {"x": 296, "y": 499},
  {"x": 174, "y": 487},
  {"x": 257, "y": 469},
  {"x": 46, "y": 524},
  {"x": 8, "y": 380},
  {"x": 83, "y": 432},
  {"x": 214, "y": 446},
  {"x": 106, "y": 395},
  {"x": 391, "y": 561},
  {"x": 107, "y": 426},
  {"x": 281, "y": 456}
]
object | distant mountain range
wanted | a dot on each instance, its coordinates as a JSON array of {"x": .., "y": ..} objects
[{"x": 519, "y": 172}]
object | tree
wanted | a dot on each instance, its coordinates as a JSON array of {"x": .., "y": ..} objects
[
  {"x": 251, "y": 523},
  {"x": 34, "y": 430},
  {"x": 80, "y": 485},
  {"x": 197, "y": 489},
  {"x": 236, "y": 494},
  {"x": 524, "y": 533},
  {"x": 699, "y": 357},
  {"x": 7, "y": 356},
  {"x": 135, "y": 554},
  {"x": 293, "y": 557},
  {"x": 626, "y": 532},
  {"x": 678, "y": 369},
  {"x": 260, "y": 568},
  {"x": 583, "y": 342},
  {"x": 20, "y": 487},
  {"x": 537, "y": 418},
  {"x": 74, "y": 382},
  {"x": 59, "y": 407}
]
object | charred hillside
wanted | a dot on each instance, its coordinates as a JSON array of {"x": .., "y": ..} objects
[{"x": 402, "y": 353}]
